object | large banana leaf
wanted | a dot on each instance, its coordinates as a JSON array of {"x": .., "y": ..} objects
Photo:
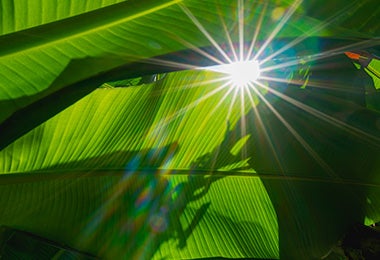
[
  {"x": 178, "y": 167},
  {"x": 109, "y": 37}
]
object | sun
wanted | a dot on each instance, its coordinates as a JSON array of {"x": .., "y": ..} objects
[
  {"x": 239, "y": 73},
  {"x": 242, "y": 73}
]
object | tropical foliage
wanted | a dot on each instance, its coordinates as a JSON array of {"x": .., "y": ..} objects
[{"x": 117, "y": 142}]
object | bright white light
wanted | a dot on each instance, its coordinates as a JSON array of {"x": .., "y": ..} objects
[{"x": 240, "y": 73}]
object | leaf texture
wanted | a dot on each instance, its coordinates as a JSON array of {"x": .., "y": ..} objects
[{"x": 184, "y": 166}]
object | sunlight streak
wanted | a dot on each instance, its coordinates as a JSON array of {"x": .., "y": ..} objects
[
  {"x": 232, "y": 102},
  {"x": 229, "y": 39},
  {"x": 220, "y": 102},
  {"x": 217, "y": 151},
  {"x": 241, "y": 28},
  {"x": 305, "y": 35},
  {"x": 257, "y": 31},
  {"x": 203, "y": 30},
  {"x": 196, "y": 49},
  {"x": 183, "y": 110},
  {"x": 298, "y": 137},
  {"x": 242, "y": 79},
  {"x": 189, "y": 86},
  {"x": 242, "y": 111},
  {"x": 264, "y": 131},
  {"x": 284, "y": 65},
  {"x": 299, "y": 83},
  {"x": 278, "y": 28},
  {"x": 173, "y": 64},
  {"x": 327, "y": 118},
  {"x": 243, "y": 123},
  {"x": 324, "y": 54}
]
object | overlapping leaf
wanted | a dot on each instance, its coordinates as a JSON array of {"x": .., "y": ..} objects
[
  {"x": 123, "y": 140},
  {"x": 111, "y": 36}
]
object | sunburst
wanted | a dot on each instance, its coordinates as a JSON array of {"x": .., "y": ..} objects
[
  {"x": 239, "y": 73},
  {"x": 245, "y": 64}
]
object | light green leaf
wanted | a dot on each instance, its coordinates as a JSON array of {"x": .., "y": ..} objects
[
  {"x": 182, "y": 166},
  {"x": 19, "y": 15}
]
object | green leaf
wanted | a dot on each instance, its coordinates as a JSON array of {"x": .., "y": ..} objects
[
  {"x": 144, "y": 129},
  {"x": 19, "y": 15},
  {"x": 113, "y": 36},
  {"x": 180, "y": 167}
]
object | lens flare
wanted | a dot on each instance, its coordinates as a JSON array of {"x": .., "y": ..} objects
[{"x": 239, "y": 73}]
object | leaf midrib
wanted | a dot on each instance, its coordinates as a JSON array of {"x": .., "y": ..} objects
[
  {"x": 79, "y": 25},
  {"x": 61, "y": 174}
]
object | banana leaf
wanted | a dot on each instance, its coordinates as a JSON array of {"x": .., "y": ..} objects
[{"x": 115, "y": 141}]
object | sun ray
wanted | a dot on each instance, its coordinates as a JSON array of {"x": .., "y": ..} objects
[
  {"x": 323, "y": 55},
  {"x": 264, "y": 131},
  {"x": 236, "y": 91},
  {"x": 283, "y": 65},
  {"x": 233, "y": 100},
  {"x": 257, "y": 31},
  {"x": 220, "y": 102},
  {"x": 231, "y": 88},
  {"x": 228, "y": 36},
  {"x": 327, "y": 118},
  {"x": 168, "y": 63},
  {"x": 242, "y": 111},
  {"x": 326, "y": 85},
  {"x": 183, "y": 110},
  {"x": 203, "y": 30},
  {"x": 241, "y": 28},
  {"x": 296, "y": 135},
  {"x": 240, "y": 55},
  {"x": 197, "y": 49},
  {"x": 189, "y": 86},
  {"x": 291, "y": 62},
  {"x": 205, "y": 120},
  {"x": 277, "y": 29},
  {"x": 243, "y": 123},
  {"x": 313, "y": 30}
]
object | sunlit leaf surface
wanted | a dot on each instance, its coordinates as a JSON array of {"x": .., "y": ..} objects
[{"x": 107, "y": 150}]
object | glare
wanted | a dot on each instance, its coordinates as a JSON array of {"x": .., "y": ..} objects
[
  {"x": 249, "y": 60},
  {"x": 239, "y": 73}
]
